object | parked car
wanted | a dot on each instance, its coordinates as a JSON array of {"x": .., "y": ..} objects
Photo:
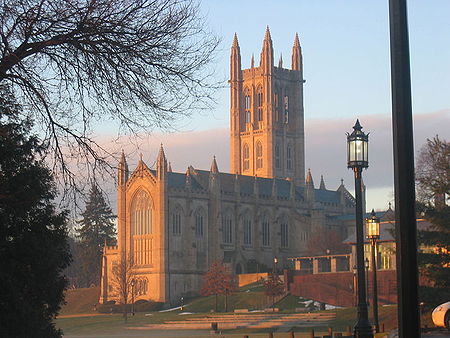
[{"x": 441, "y": 315}]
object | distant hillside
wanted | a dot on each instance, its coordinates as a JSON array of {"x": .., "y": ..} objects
[{"x": 81, "y": 301}]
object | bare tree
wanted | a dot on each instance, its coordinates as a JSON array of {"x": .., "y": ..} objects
[
  {"x": 218, "y": 281},
  {"x": 122, "y": 278},
  {"x": 141, "y": 63}
]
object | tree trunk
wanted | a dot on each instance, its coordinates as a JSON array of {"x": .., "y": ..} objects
[
  {"x": 216, "y": 303},
  {"x": 226, "y": 302}
]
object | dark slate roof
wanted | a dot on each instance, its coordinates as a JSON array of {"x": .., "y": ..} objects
[
  {"x": 351, "y": 217},
  {"x": 327, "y": 196},
  {"x": 200, "y": 181}
]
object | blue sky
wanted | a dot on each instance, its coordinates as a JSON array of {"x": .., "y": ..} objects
[{"x": 345, "y": 45}]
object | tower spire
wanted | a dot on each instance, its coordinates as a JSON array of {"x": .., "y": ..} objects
[
  {"x": 309, "y": 179},
  {"x": 122, "y": 174},
  {"x": 161, "y": 162},
  {"x": 267, "y": 53},
  {"x": 296, "y": 54},
  {"x": 280, "y": 62},
  {"x": 214, "y": 168},
  {"x": 322, "y": 183}
]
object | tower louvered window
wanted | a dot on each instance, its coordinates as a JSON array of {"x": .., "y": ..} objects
[
  {"x": 289, "y": 157},
  {"x": 248, "y": 105},
  {"x": 259, "y": 104}
]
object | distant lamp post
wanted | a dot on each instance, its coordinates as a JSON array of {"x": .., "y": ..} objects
[
  {"x": 133, "y": 283},
  {"x": 357, "y": 159},
  {"x": 373, "y": 234},
  {"x": 275, "y": 262},
  {"x": 367, "y": 266}
]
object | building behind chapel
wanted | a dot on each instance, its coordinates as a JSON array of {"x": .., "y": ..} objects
[{"x": 174, "y": 225}]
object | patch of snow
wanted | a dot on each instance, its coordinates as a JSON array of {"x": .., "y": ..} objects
[
  {"x": 331, "y": 307},
  {"x": 148, "y": 314},
  {"x": 185, "y": 313},
  {"x": 172, "y": 309}
]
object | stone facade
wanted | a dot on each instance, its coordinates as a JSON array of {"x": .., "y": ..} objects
[{"x": 174, "y": 225}]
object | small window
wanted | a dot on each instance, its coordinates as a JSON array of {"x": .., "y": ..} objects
[
  {"x": 246, "y": 156},
  {"x": 259, "y": 155}
]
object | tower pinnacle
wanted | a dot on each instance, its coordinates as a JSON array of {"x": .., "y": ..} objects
[{"x": 296, "y": 54}]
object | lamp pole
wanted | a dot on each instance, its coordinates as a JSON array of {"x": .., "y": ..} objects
[
  {"x": 132, "y": 296},
  {"x": 373, "y": 234},
  {"x": 357, "y": 151},
  {"x": 366, "y": 266},
  {"x": 274, "y": 279}
]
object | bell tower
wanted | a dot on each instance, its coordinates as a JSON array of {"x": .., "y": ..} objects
[{"x": 267, "y": 115}]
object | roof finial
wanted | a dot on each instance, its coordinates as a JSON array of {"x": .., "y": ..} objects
[
  {"x": 267, "y": 35},
  {"x": 235, "y": 41},
  {"x": 280, "y": 63},
  {"x": 214, "y": 168},
  {"x": 296, "y": 41},
  {"x": 252, "y": 62}
]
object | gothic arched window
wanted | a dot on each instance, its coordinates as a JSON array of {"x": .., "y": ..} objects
[
  {"x": 227, "y": 229},
  {"x": 141, "y": 214},
  {"x": 199, "y": 218},
  {"x": 265, "y": 231},
  {"x": 246, "y": 157},
  {"x": 284, "y": 232},
  {"x": 277, "y": 105},
  {"x": 247, "y": 231},
  {"x": 259, "y": 155},
  {"x": 176, "y": 221}
]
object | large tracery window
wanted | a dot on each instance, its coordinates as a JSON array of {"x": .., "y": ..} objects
[
  {"x": 141, "y": 214},
  {"x": 246, "y": 153},
  {"x": 259, "y": 155}
]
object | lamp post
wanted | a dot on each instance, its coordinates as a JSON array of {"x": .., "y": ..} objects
[
  {"x": 373, "y": 234},
  {"x": 274, "y": 280},
  {"x": 133, "y": 282},
  {"x": 366, "y": 266},
  {"x": 357, "y": 159}
]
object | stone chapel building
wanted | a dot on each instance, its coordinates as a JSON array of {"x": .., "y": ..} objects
[{"x": 174, "y": 225}]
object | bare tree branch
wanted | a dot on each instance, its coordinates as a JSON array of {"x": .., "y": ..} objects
[{"x": 140, "y": 63}]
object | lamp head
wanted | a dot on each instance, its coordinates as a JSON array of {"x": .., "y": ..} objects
[{"x": 357, "y": 148}]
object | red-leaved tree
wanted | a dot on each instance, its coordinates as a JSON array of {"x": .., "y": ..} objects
[{"x": 218, "y": 281}]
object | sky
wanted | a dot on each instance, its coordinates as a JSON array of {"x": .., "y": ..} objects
[{"x": 345, "y": 46}]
